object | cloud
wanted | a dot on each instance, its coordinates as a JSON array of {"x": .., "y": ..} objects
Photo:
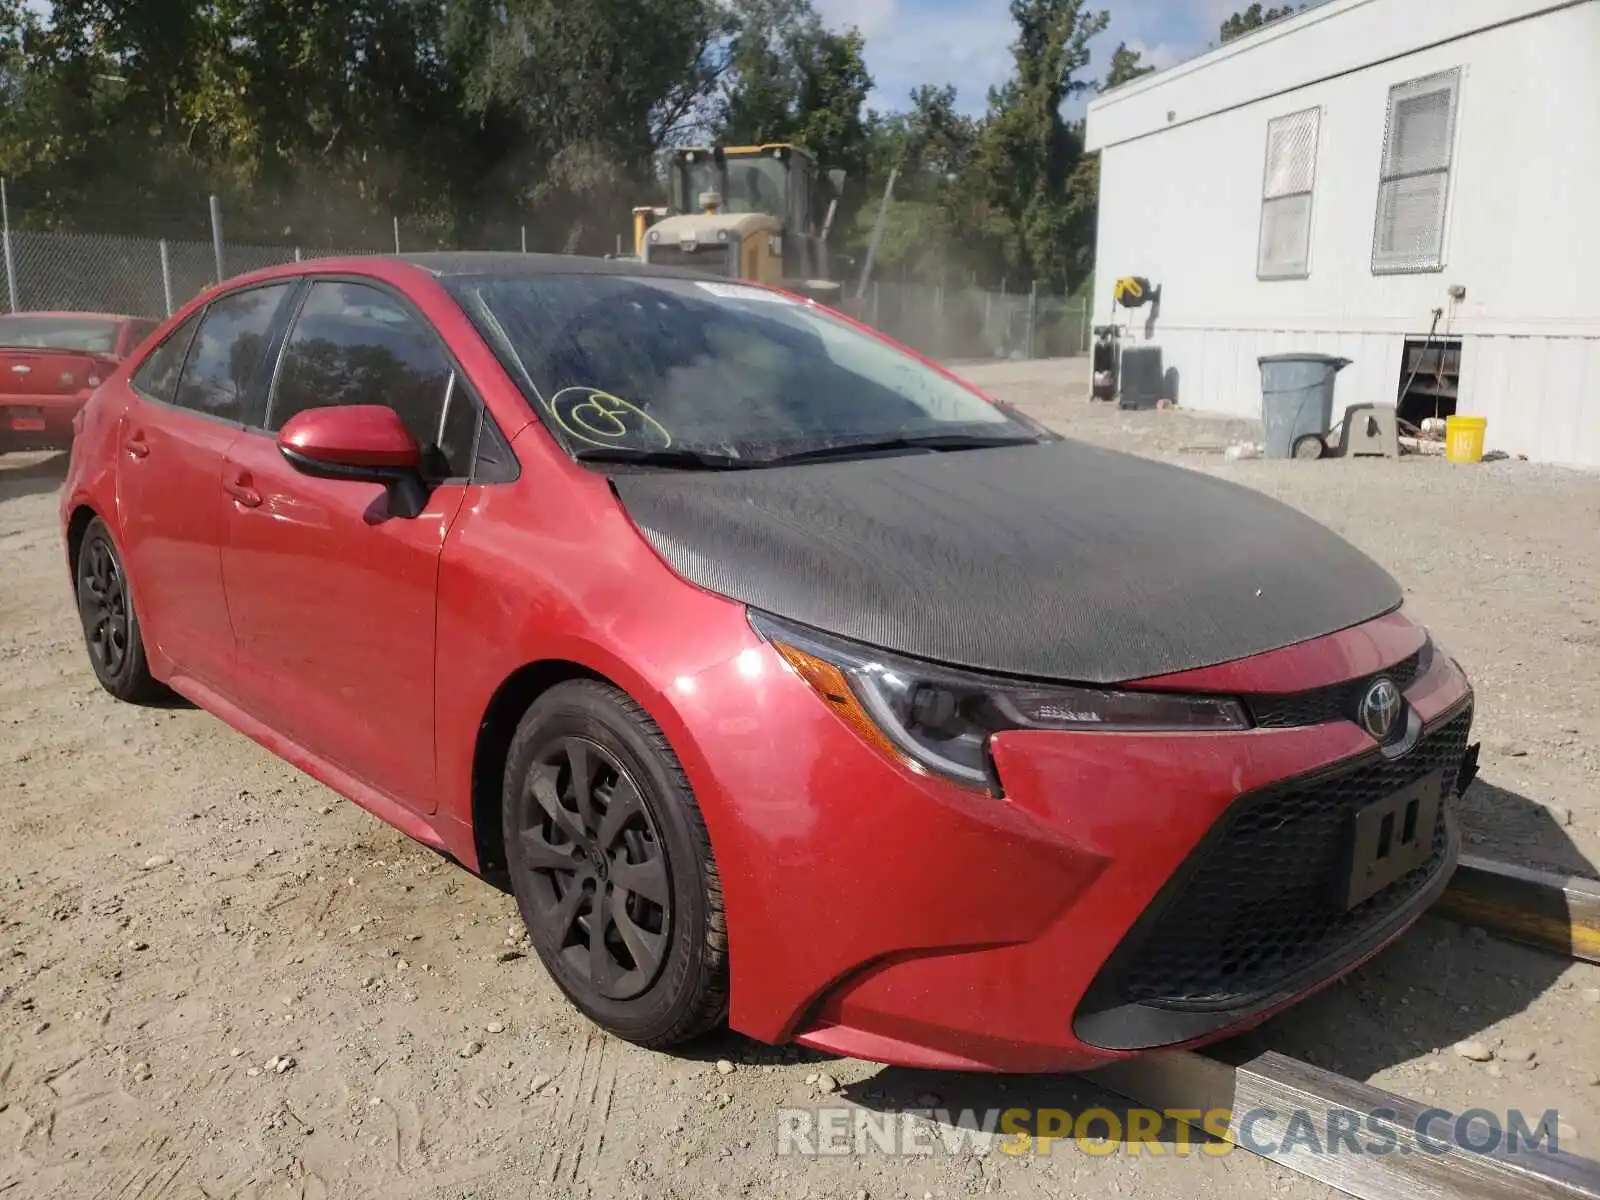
[
  {"x": 872, "y": 17},
  {"x": 1163, "y": 54},
  {"x": 968, "y": 50},
  {"x": 968, "y": 42}
]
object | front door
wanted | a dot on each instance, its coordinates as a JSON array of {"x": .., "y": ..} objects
[
  {"x": 190, "y": 399},
  {"x": 333, "y": 598}
]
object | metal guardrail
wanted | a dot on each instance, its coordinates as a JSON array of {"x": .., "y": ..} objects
[
  {"x": 1553, "y": 912},
  {"x": 1274, "y": 1090},
  {"x": 1538, "y": 908}
]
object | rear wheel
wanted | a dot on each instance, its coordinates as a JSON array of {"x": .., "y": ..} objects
[
  {"x": 1310, "y": 446},
  {"x": 612, "y": 867},
  {"x": 110, "y": 624}
]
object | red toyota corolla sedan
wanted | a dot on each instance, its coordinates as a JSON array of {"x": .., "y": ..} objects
[
  {"x": 50, "y": 363},
  {"x": 790, "y": 681}
]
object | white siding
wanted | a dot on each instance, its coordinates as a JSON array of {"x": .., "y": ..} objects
[{"x": 1180, "y": 203}]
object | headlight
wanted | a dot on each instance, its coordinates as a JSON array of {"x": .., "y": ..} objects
[{"x": 938, "y": 721}]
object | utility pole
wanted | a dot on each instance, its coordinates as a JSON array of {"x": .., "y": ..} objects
[
  {"x": 1033, "y": 317},
  {"x": 166, "y": 276},
  {"x": 5, "y": 231},
  {"x": 216, "y": 236},
  {"x": 877, "y": 233}
]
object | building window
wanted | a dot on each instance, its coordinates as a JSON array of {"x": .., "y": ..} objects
[
  {"x": 1285, "y": 249},
  {"x": 1415, "y": 185}
]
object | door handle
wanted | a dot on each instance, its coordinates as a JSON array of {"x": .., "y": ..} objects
[
  {"x": 136, "y": 446},
  {"x": 242, "y": 492}
]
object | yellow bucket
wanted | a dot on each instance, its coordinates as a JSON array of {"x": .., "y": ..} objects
[{"x": 1463, "y": 438}]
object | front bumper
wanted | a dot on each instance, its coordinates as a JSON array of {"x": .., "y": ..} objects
[
  {"x": 1259, "y": 912},
  {"x": 892, "y": 917}
]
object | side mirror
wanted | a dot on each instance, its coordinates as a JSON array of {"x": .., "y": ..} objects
[{"x": 365, "y": 443}]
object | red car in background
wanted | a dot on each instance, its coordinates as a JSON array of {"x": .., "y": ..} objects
[
  {"x": 790, "y": 681},
  {"x": 49, "y": 364}
]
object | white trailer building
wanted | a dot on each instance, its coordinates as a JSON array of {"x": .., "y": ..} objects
[{"x": 1329, "y": 181}]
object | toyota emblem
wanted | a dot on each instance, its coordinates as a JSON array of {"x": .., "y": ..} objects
[{"x": 1380, "y": 709}]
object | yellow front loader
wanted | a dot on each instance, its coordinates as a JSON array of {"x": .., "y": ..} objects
[{"x": 744, "y": 212}]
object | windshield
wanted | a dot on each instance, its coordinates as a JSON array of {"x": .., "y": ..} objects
[
  {"x": 642, "y": 364},
  {"x": 754, "y": 185},
  {"x": 58, "y": 333}
]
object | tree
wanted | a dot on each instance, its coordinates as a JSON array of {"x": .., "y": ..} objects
[
  {"x": 318, "y": 121},
  {"x": 594, "y": 90},
  {"x": 791, "y": 79},
  {"x": 1126, "y": 66},
  {"x": 1032, "y": 226},
  {"x": 930, "y": 144},
  {"x": 931, "y": 147},
  {"x": 1253, "y": 17}
]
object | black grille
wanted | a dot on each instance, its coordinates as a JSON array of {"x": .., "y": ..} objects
[
  {"x": 713, "y": 260},
  {"x": 1262, "y": 900},
  {"x": 1337, "y": 702}
]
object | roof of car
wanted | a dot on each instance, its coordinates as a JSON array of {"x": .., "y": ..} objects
[
  {"x": 511, "y": 263},
  {"x": 88, "y": 316}
]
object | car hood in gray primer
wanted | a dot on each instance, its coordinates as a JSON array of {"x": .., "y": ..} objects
[{"x": 1059, "y": 560}]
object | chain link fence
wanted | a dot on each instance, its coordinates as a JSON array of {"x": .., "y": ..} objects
[
  {"x": 150, "y": 277},
  {"x": 971, "y": 323},
  {"x": 140, "y": 277}
]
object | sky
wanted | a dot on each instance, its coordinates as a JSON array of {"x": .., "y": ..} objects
[{"x": 967, "y": 42}]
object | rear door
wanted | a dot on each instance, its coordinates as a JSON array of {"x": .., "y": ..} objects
[
  {"x": 192, "y": 398},
  {"x": 332, "y": 598}
]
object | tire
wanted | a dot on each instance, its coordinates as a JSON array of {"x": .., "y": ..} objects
[
  {"x": 1309, "y": 446},
  {"x": 636, "y": 855},
  {"x": 111, "y": 632}
]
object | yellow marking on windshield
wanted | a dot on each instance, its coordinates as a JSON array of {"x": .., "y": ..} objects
[{"x": 601, "y": 419}]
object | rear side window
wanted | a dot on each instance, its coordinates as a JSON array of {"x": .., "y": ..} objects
[
  {"x": 157, "y": 377},
  {"x": 356, "y": 344},
  {"x": 135, "y": 332},
  {"x": 227, "y": 352}
]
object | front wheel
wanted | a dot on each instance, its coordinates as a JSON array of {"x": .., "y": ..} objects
[
  {"x": 110, "y": 623},
  {"x": 612, "y": 867}
]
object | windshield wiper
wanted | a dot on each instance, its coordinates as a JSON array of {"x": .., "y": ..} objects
[
  {"x": 681, "y": 460},
  {"x": 706, "y": 460},
  {"x": 928, "y": 441}
]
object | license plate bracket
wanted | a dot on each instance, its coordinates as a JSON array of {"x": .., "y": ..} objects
[
  {"x": 27, "y": 420},
  {"x": 1393, "y": 837}
]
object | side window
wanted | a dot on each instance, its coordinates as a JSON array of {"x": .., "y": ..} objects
[
  {"x": 356, "y": 344},
  {"x": 494, "y": 462},
  {"x": 157, "y": 376},
  {"x": 458, "y": 428},
  {"x": 1414, "y": 189},
  {"x": 227, "y": 352},
  {"x": 134, "y": 333},
  {"x": 1284, "y": 251}
]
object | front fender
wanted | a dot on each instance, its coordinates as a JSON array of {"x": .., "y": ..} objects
[{"x": 565, "y": 578}]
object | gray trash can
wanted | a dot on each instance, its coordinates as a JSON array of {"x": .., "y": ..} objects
[{"x": 1297, "y": 402}]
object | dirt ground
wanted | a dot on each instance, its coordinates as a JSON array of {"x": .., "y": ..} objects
[{"x": 219, "y": 979}]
